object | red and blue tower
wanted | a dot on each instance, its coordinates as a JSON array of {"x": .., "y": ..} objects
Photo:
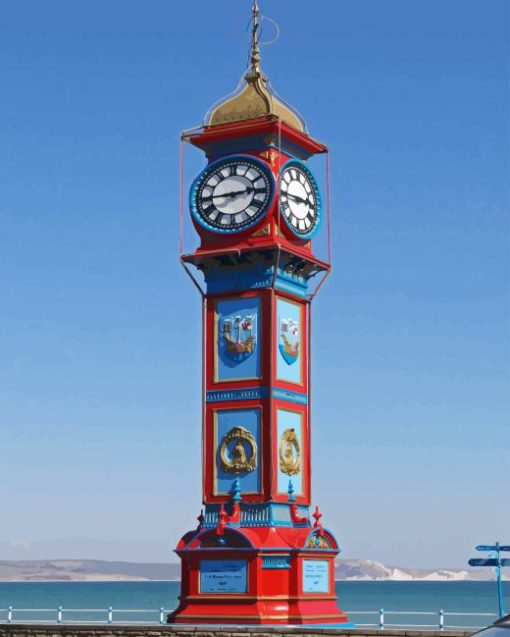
[{"x": 258, "y": 555}]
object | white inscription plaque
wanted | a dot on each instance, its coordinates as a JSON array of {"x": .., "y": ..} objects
[{"x": 315, "y": 576}]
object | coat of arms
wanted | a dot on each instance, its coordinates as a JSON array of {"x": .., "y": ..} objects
[
  {"x": 317, "y": 542},
  {"x": 289, "y": 340},
  {"x": 239, "y": 336},
  {"x": 238, "y": 451},
  {"x": 289, "y": 453}
]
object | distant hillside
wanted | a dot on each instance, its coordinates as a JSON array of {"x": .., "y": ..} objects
[
  {"x": 371, "y": 570},
  {"x": 87, "y": 570},
  {"x": 44, "y": 570}
]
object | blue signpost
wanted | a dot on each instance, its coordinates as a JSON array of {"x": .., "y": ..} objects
[{"x": 497, "y": 562}]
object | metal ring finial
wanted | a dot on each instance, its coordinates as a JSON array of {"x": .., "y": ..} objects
[{"x": 277, "y": 30}]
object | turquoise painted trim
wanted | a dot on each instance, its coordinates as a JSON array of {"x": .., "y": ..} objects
[
  {"x": 250, "y": 393},
  {"x": 292, "y": 279},
  {"x": 287, "y": 287},
  {"x": 219, "y": 282},
  {"x": 256, "y": 393},
  {"x": 290, "y": 396},
  {"x": 253, "y": 276},
  {"x": 276, "y": 562},
  {"x": 258, "y": 515}
]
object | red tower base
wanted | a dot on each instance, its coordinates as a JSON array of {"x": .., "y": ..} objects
[{"x": 253, "y": 576}]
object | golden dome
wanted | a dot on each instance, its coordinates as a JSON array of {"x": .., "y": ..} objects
[{"x": 254, "y": 98}]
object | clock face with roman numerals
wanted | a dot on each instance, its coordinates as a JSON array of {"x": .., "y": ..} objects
[
  {"x": 300, "y": 201},
  {"x": 232, "y": 194}
]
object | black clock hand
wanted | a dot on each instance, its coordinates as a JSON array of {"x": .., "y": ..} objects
[
  {"x": 300, "y": 199},
  {"x": 235, "y": 193}
]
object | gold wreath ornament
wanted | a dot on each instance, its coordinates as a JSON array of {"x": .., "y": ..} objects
[
  {"x": 289, "y": 453},
  {"x": 242, "y": 456}
]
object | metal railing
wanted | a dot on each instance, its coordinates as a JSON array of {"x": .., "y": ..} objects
[
  {"x": 108, "y": 615},
  {"x": 439, "y": 620}
]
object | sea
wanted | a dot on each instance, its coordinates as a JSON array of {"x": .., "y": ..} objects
[{"x": 411, "y": 603}]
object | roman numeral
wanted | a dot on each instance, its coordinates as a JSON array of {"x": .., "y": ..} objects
[{"x": 209, "y": 210}]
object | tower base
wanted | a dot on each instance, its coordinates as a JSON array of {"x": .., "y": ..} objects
[{"x": 276, "y": 576}]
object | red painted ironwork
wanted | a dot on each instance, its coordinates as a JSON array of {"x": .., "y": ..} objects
[{"x": 256, "y": 556}]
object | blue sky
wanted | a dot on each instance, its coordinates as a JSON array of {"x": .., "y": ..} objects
[{"x": 99, "y": 326}]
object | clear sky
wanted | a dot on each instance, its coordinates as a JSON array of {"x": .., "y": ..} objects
[{"x": 99, "y": 326}]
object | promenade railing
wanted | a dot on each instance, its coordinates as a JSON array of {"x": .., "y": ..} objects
[{"x": 440, "y": 620}]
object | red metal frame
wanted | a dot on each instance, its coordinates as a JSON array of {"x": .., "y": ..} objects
[{"x": 275, "y": 596}]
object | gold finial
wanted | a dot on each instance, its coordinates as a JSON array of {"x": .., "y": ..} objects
[
  {"x": 254, "y": 98},
  {"x": 255, "y": 48}
]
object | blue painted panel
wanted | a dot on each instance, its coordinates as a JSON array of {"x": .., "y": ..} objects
[
  {"x": 237, "y": 353},
  {"x": 276, "y": 562},
  {"x": 315, "y": 576},
  {"x": 291, "y": 396},
  {"x": 289, "y": 338},
  {"x": 285, "y": 286},
  {"x": 290, "y": 420},
  {"x": 255, "y": 393},
  {"x": 251, "y": 393},
  {"x": 252, "y": 276},
  {"x": 226, "y": 420},
  {"x": 291, "y": 283},
  {"x": 223, "y": 576}
]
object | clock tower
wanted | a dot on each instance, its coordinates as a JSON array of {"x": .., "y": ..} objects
[{"x": 258, "y": 555}]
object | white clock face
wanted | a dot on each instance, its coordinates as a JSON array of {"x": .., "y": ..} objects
[
  {"x": 299, "y": 199},
  {"x": 232, "y": 194}
]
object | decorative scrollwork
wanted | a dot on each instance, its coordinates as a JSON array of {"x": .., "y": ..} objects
[
  {"x": 289, "y": 453},
  {"x": 241, "y": 457}
]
